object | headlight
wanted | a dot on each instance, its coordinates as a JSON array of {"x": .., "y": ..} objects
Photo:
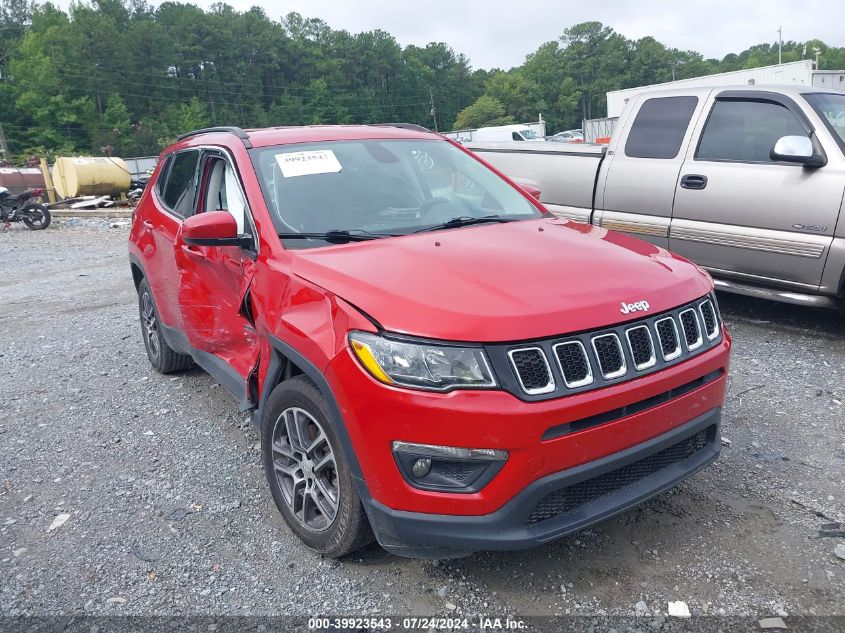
[{"x": 421, "y": 365}]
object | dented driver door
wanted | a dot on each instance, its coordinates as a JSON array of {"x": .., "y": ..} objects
[{"x": 215, "y": 282}]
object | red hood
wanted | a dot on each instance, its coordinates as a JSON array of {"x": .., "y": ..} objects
[{"x": 503, "y": 282}]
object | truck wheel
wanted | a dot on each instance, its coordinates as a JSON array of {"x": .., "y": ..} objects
[
  {"x": 162, "y": 357},
  {"x": 308, "y": 473}
]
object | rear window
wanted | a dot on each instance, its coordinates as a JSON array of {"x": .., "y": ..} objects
[
  {"x": 659, "y": 128},
  {"x": 181, "y": 186}
]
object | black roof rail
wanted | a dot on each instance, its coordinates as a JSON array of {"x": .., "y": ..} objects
[
  {"x": 240, "y": 133},
  {"x": 405, "y": 126}
]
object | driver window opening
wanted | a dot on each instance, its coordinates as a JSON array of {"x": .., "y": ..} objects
[{"x": 223, "y": 193}]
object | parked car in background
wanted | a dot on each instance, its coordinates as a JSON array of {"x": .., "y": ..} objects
[
  {"x": 534, "y": 131},
  {"x": 431, "y": 357},
  {"x": 567, "y": 136},
  {"x": 507, "y": 133},
  {"x": 748, "y": 182}
]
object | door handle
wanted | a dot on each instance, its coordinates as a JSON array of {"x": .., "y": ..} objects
[
  {"x": 193, "y": 251},
  {"x": 147, "y": 224},
  {"x": 693, "y": 181}
]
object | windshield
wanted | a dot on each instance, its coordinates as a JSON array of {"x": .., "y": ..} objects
[
  {"x": 529, "y": 135},
  {"x": 831, "y": 108},
  {"x": 381, "y": 187}
]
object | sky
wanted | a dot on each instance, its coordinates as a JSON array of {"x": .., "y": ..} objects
[{"x": 500, "y": 33}]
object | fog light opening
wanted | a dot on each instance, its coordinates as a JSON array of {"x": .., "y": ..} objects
[
  {"x": 421, "y": 467},
  {"x": 448, "y": 468}
]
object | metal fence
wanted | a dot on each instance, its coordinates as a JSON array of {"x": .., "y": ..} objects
[{"x": 141, "y": 165}]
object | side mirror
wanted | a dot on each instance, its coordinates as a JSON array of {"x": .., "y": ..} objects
[
  {"x": 797, "y": 149},
  {"x": 213, "y": 228},
  {"x": 527, "y": 187},
  {"x": 532, "y": 191}
]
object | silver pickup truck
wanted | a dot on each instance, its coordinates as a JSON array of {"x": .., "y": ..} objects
[{"x": 748, "y": 182}]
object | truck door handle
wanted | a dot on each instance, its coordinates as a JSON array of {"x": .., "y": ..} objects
[{"x": 693, "y": 181}]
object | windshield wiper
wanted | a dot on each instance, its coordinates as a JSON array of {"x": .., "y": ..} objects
[
  {"x": 336, "y": 236},
  {"x": 464, "y": 220}
]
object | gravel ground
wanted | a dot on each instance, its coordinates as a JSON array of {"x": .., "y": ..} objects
[{"x": 167, "y": 510}]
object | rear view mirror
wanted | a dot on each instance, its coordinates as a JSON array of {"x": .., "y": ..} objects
[
  {"x": 797, "y": 149},
  {"x": 213, "y": 228}
]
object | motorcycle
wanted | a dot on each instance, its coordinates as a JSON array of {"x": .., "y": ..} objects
[
  {"x": 24, "y": 207},
  {"x": 136, "y": 187}
]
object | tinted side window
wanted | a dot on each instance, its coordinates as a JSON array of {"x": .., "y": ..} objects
[
  {"x": 180, "y": 189},
  {"x": 515, "y": 136},
  {"x": 659, "y": 128},
  {"x": 745, "y": 130},
  {"x": 162, "y": 176}
]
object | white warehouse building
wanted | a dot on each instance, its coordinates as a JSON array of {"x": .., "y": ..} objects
[{"x": 799, "y": 73}]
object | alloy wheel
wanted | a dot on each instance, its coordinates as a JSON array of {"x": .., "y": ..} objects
[
  {"x": 150, "y": 324},
  {"x": 305, "y": 469}
]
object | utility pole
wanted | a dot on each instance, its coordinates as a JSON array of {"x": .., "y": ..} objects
[
  {"x": 780, "y": 45},
  {"x": 818, "y": 52},
  {"x": 4, "y": 149},
  {"x": 433, "y": 110}
]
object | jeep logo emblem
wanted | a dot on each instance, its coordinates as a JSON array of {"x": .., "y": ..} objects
[{"x": 639, "y": 306}]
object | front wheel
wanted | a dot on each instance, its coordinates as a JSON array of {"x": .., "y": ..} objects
[
  {"x": 308, "y": 473},
  {"x": 36, "y": 216}
]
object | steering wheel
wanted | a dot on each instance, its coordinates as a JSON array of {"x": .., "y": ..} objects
[{"x": 427, "y": 206}]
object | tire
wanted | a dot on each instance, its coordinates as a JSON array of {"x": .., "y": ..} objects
[
  {"x": 163, "y": 358},
  {"x": 308, "y": 473},
  {"x": 42, "y": 217}
]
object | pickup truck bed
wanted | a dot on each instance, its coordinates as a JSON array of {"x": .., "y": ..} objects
[{"x": 566, "y": 174}]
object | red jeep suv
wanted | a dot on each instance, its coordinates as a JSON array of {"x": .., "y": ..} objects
[{"x": 432, "y": 358}]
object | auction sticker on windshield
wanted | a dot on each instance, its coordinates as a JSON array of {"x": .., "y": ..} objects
[{"x": 322, "y": 161}]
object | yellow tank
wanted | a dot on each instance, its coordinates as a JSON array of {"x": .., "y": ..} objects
[{"x": 90, "y": 176}]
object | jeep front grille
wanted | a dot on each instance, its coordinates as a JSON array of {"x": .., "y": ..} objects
[
  {"x": 691, "y": 328},
  {"x": 574, "y": 364},
  {"x": 642, "y": 347},
  {"x": 610, "y": 356},
  {"x": 667, "y": 334},
  {"x": 532, "y": 368},
  {"x": 555, "y": 367},
  {"x": 708, "y": 317}
]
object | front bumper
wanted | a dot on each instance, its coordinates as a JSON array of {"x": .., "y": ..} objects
[
  {"x": 376, "y": 415},
  {"x": 516, "y": 525}
]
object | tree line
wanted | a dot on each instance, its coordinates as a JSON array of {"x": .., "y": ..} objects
[{"x": 124, "y": 77}]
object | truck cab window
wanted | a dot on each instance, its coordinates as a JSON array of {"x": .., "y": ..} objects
[
  {"x": 659, "y": 127},
  {"x": 515, "y": 136},
  {"x": 746, "y": 131}
]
